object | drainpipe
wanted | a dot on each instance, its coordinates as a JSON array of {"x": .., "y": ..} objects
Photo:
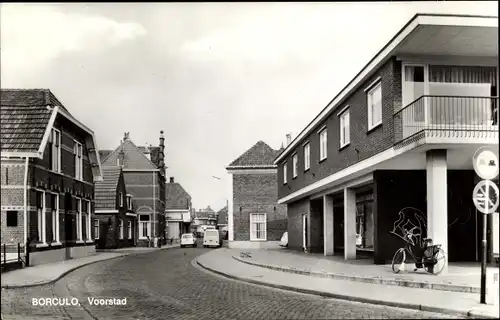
[
  {"x": 25, "y": 206},
  {"x": 154, "y": 207}
]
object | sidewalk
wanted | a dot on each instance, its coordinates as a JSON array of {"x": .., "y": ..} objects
[
  {"x": 458, "y": 303},
  {"x": 51, "y": 272},
  {"x": 462, "y": 277}
]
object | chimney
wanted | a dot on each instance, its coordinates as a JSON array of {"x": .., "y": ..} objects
[
  {"x": 171, "y": 179},
  {"x": 147, "y": 151},
  {"x": 288, "y": 139},
  {"x": 161, "y": 154}
]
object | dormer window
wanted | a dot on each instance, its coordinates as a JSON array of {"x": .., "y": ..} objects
[{"x": 129, "y": 202}]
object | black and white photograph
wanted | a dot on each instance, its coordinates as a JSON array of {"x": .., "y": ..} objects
[{"x": 249, "y": 160}]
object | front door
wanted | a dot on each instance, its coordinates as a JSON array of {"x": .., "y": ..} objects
[{"x": 338, "y": 228}]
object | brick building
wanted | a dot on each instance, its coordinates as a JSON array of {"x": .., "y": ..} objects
[
  {"x": 115, "y": 221},
  {"x": 222, "y": 218},
  {"x": 178, "y": 210},
  {"x": 255, "y": 219},
  {"x": 394, "y": 148},
  {"x": 144, "y": 174},
  {"x": 49, "y": 166}
]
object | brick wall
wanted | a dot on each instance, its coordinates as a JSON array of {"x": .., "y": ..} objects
[
  {"x": 257, "y": 193},
  {"x": 363, "y": 144},
  {"x": 12, "y": 198}
]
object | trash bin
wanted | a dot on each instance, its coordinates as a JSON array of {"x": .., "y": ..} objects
[{"x": 492, "y": 288}]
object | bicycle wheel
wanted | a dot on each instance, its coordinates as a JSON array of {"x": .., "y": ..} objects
[
  {"x": 438, "y": 262},
  {"x": 398, "y": 260}
]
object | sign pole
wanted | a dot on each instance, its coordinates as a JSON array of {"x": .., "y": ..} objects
[{"x": 485, "y": 162}]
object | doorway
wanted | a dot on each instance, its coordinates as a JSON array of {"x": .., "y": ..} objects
[{"x": 304, "y": 232}]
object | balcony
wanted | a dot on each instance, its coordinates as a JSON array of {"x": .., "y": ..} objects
[{"x": 447, "y": 119}]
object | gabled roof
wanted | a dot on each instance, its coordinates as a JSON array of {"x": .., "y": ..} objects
[
  {"x": 259, "y": 156},
  {"x": 30, "y": 97},
  {"x": 27, "y": 118},
  {"x": 105, "y": 190},
  {"x": 133, "y": 157},
  {"x": 23, "y": 127},
  {"x": 176, "y": 197},
  {"x": 205, "y": 213}
]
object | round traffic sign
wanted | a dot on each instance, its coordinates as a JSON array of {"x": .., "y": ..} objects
[
  {"x": 485, "y": 162},
  {"x": 485, "y": 196}
]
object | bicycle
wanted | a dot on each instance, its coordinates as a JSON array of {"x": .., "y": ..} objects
[{"x": 428, "y": 258}]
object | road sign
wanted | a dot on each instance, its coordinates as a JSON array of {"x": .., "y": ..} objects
[
  {"x": 485, "y": 196},
  {"x": 485, "y": 162}
]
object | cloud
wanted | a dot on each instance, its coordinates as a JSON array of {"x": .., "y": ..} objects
[{"x": 33, "y": 35}]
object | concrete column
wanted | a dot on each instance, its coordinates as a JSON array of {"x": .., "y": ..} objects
[
  {"x": 437, "y": 200},
  {"x": 349, "y": 224},
  {"x": 328, "y": 225}
]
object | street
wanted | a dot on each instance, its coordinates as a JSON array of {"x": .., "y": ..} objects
[{"x": 166, "y": 285}]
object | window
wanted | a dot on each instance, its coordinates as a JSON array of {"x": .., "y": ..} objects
[
  {"x": 79, "y": 219},
  {"x": 120, "y": 229},
  {"x": 307, "y": 157},
  {"x": 96, "y": 228},
  {"x": 129, "y": 202},
  {"x": 258, "y": 226},
  {"x": 345, "y": 127},
  {"x": 118, "y": 162},
  {"x": 84, "y": 220},
  {"x": 40, "y": 210},
  {"x": 120, "y": 195},
  {"x": 89, "y": 220},
  {"x": 129, "y": 229},
  {"x": 54, "y": 205},
  {"x": 284, "y": 173},
  {"x": 323, "y": 144},
  {"x": 12, "y": 219},
  {"x": 295, "y": 162},
  {"x": 144, "y": 226},
  {"x": 78, "y": 149},
  {"x": 55, "y": 150},
  {"x": 374, "y": 106}
]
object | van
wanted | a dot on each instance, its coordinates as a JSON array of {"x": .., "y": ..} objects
[{"x": 211, "y": 238}]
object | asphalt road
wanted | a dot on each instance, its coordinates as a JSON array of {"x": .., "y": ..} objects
[{"x": 167, "y": 285}]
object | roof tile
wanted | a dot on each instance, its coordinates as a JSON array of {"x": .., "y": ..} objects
[
  {"x": 105, "y": 190},
  {"x": 259, "y": 156},
  {"x": 176, "y": 197}
]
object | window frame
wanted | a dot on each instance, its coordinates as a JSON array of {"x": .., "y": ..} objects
[
  {"x": 79, "y": 223},
  {"x": 55, "y": 164},
  {"x": 41, "y": 218},
  {"x": 295, "y": 165},
  {"x": 78, "y": 152},
  {"x": 120, "y": 199},
  {"x": 55, "y": 217},
  {"x": 120, "y": 227},
  {"x": 323, "y": 146},
  {"x": 369, "y": 94},
  {"x": 285, "y": 173},
  {"x": 129, "y": 226},
  {"x": 307, "y": 156},
  {"x": 96, "y": 226},
  {"x": 141, "y": 226},
  {"x": 252, "y": 227},
  {"x": 9, "y": 213},
  {"x": 345, "y": 114},
  {"x": 89, "y": 220}
]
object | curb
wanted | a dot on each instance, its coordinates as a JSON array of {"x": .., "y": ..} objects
[
  {"x": 411, "y": 306},
  {"x": 45, "y": 282},
  {"x": 373, "y": 280}
]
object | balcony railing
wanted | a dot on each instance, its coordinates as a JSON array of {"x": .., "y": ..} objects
[{"x": 457, "y": 117}]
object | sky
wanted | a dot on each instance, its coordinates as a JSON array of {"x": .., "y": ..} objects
[{"x": 215, "y": 77}]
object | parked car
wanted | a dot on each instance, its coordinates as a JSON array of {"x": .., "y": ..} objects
[
  {"x": 188, "y": 239},
  {"x": 284, "y": 240},
  {"x": 212, "y": 238}
]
